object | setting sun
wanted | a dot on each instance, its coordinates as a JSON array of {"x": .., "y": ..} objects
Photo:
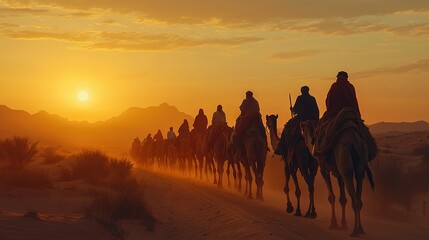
[{"x": 83, "y": 96}]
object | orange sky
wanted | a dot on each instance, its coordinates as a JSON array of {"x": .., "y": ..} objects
[{"x": 195, "y": 54}]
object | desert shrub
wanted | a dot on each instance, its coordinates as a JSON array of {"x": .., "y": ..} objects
[
  {"x": 121, "y": 168},
  {"x": 126, "y": 204},
  {"x": 34, "y": 179},
  {"x": 422, "y": 149},
  {"x": 91, "y": 165},
  {"x": 19, "y": 151},
  {"x": 51, "y": 156}
]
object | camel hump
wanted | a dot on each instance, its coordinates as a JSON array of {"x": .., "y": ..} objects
[{"x": 328, "y": 132}]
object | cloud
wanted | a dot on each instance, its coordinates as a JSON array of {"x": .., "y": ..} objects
[
  {"x": 294, "y": 55},
  {"x": 130, "y": 40},
  {"x": 142, "y": 42},
  {"x": 10, "y": 12},
  {"x": 238, "y": 11},
  {"x": 74, "y": 37},
  {"x": 352, "y": 27},
  {"x": 419, "y": 66}
]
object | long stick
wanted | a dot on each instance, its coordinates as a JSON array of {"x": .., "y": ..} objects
[{"x": 290, "y": 104}]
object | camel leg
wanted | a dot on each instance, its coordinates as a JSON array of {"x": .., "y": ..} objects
[
  {"x": 360, "y": 175},
  {"x": 234, "y": 174},
  {"x": 200, "y": 166},
  {"x": 220, "y": 163},
  {"x": 249, "y": 179},
  {"x": 343, "y": 202},
  {"x": 289, "y": 207},
  {"x": 240, "y": 176},
  {"x": 214, "y": 171},
  {"x": 331, "y": 198},
  {"x": 261, "y": 167},
  {"x": 227, "y": 173},
  {"x": 205, "y": 169},
  {"x": 297, "y": 194}
]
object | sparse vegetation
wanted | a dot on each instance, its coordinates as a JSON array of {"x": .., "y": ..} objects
[
  {"x": 51, "y": 156},
  {"x": 19, "y": 151},
  {"x": 423, "y": 150},
  {"x": 121, "y": 168},
  {"x": 91, "y": 165}
]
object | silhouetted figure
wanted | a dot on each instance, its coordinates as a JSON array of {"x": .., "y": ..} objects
[
  {"x": 158, "y": 136},
  {"x": 250, "y": 115},
  {"x": 341, "y": 94},
  {"x": 184, "y": 128},
  {"x": 219, "y": 117},
  {"x": 218, "y": 125},
  {"x": 148, "y": 140},
  {"x": 200, "y": 122},
  {"x": 305, "y": 108},
  {"x": 171, "y": 134}
]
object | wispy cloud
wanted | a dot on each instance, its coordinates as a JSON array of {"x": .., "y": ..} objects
[
  {"x": 130, "y": 40},
  {"x": 352, "y": 27},
  {"x": 238, "y": 11},
  {"x": 74, "y": 37},
  {"x": 294, "y": 55},
  {"x": 419, "y": 66},
  {"x": 141, "y": 42}
]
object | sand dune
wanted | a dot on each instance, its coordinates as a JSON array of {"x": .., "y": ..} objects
[{"x": 188, "y": 209}]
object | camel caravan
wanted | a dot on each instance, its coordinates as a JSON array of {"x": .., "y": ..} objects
[{"x": 338, "y": 143}]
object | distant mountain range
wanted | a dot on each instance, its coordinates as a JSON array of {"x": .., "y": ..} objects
[
  {"x": 399, "y": 127},
  {"x": 117, "y": 132}
]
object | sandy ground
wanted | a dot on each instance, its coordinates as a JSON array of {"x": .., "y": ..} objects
[
  {"x": 190, "y": 209},
  {"x": 59, "y": 216}
]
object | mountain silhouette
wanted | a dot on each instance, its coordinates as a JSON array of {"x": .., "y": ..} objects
[
  {"x": 114, "y": 133},
  {"x": 399, "y": 127}
]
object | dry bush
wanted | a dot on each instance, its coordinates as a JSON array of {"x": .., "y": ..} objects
[
  {"x": 51, "y": 156},
  {"x": 91, "y": 165},
  {"x": 33, "y": 179},
  {"x": 126, "y": 204},
  {"x": 423, "y": 150},
  {"x": 19, "y": 151},
  {"x": 121, "y": 168}
]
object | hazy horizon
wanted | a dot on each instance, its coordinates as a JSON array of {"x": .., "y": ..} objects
[{"x": 91, "y": 60}]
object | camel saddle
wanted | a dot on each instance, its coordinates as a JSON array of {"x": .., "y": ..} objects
[{"x": 328, "y": 132}]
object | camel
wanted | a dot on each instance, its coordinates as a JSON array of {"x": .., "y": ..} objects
[
  {"x": 198, "y": 141},
  {"x": 171, "y": 154},
  {"x": 349, "y": 159},
  {"x": 186, "y": 156},
  {"x": 219, "y": 151},
  {"x": 297, "y": 157},
  {"x": 253, "y": 156}
]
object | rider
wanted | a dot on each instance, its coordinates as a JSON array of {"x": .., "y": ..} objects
[
  {"x": 305, "y": 108},
  {"x": 341, "y": 95},
  {"x": 218, "y": 123},
  {"x": 158, "y": 136},
  {"x": 250, "y": 114},
  {"x": 171, "y": 134},
  {"x": 200, "y": 122},
  {"x": 184, "y": 128}
]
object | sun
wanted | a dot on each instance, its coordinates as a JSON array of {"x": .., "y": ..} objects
[{"x": 83, "y": 96}]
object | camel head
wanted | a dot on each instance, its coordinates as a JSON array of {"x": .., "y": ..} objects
[
  {"x": 272, "y": 121},
  {"x": 307, "y": 131}
]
